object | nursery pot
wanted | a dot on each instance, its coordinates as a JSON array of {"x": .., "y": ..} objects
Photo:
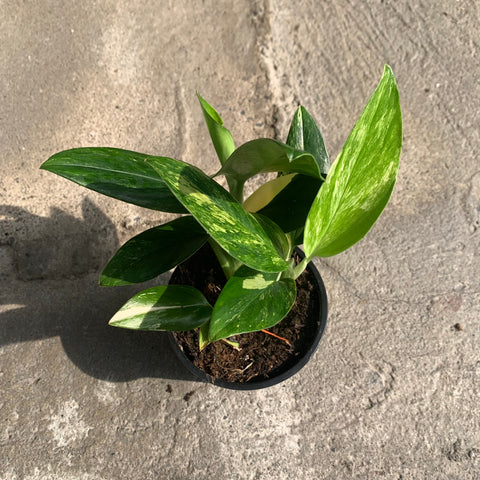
[{"x": 309, "y": 322}]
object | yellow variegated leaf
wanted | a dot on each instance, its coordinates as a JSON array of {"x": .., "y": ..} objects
[{"x": 230, "y": 225}]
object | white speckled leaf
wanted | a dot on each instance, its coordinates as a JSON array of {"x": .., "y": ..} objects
[
  {"x": 361, "y": 180},
  {"x": 251, "y": 301},
  {"x": 276, "y": 235},
  {"x": 169, "y": 307},
  {"x": 230, "y": 225}
]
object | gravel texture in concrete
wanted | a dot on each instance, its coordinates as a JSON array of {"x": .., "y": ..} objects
[{"x": 393, "y": 391}]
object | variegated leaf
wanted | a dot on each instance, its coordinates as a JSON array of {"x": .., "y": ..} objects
[
  {"x": 169, "y": 307},
  {"x": 263, "y": 195},
  {"x": 286, "y": 200},
  {"x": 362, "y": 178},
  {"x": 276, "y": 235},
  {"x": 251, "y": 301},
  {"x": 304, "y": 134},
  {"x": 117, "y": 173},
  {"x": 266, "y": 155},
  {"x": 232, "y": 227},
  {"x": 154, "y": 252}
]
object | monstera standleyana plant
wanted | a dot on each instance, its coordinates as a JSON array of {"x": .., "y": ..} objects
[{"x": 325, "y": 209}]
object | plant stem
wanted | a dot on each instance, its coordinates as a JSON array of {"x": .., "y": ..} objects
[
  {"x": 233, "y": 344},
  {"x": 227, "y": 262},
  {"x": 236, "y": 189},
  {"x": 299, "y": 269}
]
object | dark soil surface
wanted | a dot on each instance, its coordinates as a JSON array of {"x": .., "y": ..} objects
[{"x": 260, "y": 356}]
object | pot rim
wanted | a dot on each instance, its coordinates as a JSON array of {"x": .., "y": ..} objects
[{"x": 275, "y": 380}]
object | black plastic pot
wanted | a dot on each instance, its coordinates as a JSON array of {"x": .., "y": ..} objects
[{"x": 302, "y": 359}]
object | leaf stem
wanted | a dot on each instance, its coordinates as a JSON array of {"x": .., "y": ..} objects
[
  {"x": 233, "y": 344},
  {"x": 236, "y": 188},
  {"x": 299, "y": 269},
  {"x": 227, "y": 262}
]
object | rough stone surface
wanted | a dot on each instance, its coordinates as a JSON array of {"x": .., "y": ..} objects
[{"x": 393, "y": 391}]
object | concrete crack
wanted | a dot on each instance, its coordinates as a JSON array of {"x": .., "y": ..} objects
[
  {"x": 262, "y": 20},
  {"x": 347, "y": 282}
]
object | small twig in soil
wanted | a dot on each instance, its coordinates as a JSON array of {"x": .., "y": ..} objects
[
  {"x": 277, "y": 336},
  {"x": 246, "y": 368}
]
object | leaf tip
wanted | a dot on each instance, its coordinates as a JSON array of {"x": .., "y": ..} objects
[
  {"x": 209, "y": 111},
  {"x": 112, "y": 322},
  {"x": 388, "y": 73},
  {"x": 46, "y": 164},
  {"x": 106, "y": 281}
]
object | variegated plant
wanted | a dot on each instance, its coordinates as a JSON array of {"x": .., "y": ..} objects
[{"x": 253, "y": 239}]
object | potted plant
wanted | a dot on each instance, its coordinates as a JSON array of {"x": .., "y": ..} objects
[{"x": 237, "y": 251}]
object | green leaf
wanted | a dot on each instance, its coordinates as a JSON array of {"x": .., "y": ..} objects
[
  {"x": 154, "y": 251},
  {"x": 221, "y": 137},
  {"x": 361, "y": 180},
  {"x": 170, "y": 307},
  {"x": 117, "y": 173},
  {"x": 233, "y": 228},
  {"x": 266, "y": 155},
  {"x": 227, "y": 262},
  {"x": 276, "y": 235},
  {"x": 295, "y": 237},
  {"x": 304, "y": 134},
  {"x": 261, "y": 197},
  {"x": 203, "y": 335},
  {"x": 251, "y": 301},
  {"x": 222, "y": 141},
  {"x": 286, "y": 200}
]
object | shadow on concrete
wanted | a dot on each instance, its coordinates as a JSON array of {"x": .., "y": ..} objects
[{"x": 49, "y": 269}]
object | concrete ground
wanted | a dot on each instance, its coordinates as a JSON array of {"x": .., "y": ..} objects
[{"x": 393, "y": 391}]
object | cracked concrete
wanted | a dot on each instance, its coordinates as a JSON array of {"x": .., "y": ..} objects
[{"x": 394, "y": 389}]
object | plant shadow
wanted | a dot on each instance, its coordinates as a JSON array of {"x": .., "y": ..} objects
[{"x": 49, "y": 268}]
